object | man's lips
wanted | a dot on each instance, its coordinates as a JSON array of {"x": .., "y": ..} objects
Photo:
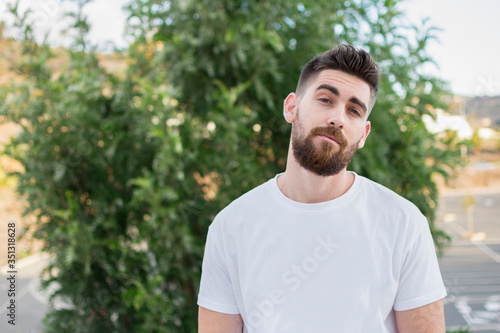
[{"x": 328, "y": 138}]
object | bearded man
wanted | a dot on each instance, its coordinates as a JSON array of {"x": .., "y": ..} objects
[{"x": 319, "y": 248}]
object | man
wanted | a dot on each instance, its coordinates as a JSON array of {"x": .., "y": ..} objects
[{"x": 318, "y": 248}]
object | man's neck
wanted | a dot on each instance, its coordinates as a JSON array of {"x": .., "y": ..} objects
[{"x": 304, "y": 186}]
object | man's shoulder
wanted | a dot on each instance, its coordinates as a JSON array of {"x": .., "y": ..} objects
[
  {"x": 248, "y": 202},
  {"x": 384, "y": 197},
  {"x": 395, "y": 211}
]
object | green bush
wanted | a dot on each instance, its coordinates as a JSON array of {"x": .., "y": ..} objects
[{"x": 125, "y": 173}]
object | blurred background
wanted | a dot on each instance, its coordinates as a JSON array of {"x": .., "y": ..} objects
[{"x": 125, "y": 126}]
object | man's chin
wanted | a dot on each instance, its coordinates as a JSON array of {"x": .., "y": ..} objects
[{"x": 326, "y": 172}]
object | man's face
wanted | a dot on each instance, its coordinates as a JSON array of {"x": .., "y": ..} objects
[
  {"x": 329, "y": 121},
  {"x": 321, "y": 158}
]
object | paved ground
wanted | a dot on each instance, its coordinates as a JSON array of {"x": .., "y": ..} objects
[
  {"x": 471, "y": 266},
  {"x": 30, "y": 302}
]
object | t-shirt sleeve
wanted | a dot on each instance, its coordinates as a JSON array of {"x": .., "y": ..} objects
[
  {"x": 216, "y": 289},
  {"x": 420, "y": 279}
]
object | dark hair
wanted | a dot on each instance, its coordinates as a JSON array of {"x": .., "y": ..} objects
[{"x": 345, "y": 58}]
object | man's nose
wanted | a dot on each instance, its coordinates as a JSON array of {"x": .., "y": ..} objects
[{"x": 337, "y": 117}]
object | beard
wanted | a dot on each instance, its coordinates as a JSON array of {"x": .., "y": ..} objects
[{"x": 321, "y": 159}]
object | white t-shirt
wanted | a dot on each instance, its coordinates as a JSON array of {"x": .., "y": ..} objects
[{"x": 338, "y": 266}]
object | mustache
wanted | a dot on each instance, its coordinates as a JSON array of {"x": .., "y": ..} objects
[{"x": 333, "y": 132}]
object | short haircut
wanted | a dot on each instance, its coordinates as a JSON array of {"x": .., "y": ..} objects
[{"x": 345, "y": 58}]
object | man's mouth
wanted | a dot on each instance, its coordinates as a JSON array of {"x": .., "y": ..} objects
[{"x": 329, "y": 138}]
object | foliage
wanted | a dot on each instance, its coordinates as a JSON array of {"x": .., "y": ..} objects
[
  {"x": 124, "y": 174},
  {"x": 80, "y": 149}
]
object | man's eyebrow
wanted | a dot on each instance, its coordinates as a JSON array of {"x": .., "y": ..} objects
[
  {"x": 328, "y": 87},
  {"x": 358, "y": 102},
  {"x": 335, "y": 91}
]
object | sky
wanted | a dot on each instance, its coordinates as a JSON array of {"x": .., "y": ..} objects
[{"x": 467, "y": 53}]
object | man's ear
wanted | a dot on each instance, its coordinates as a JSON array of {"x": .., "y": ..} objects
[
  {"x": 290, "y": 107},
  {"x": 368, "y": 127}
]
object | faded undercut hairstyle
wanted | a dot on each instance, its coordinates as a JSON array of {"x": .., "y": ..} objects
[{"x": 347, "y": 59}]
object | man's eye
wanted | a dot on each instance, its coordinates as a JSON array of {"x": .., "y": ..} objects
[
  {"x": 355, "y": 112},
  {"x": 324, "y": 100}
]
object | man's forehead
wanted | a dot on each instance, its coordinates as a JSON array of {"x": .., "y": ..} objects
[
  {"x": 345, "y": 83},
  {"x": 342, "y": 79}
]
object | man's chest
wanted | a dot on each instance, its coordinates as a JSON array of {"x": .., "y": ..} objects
[{"x": 316, "y": 273}]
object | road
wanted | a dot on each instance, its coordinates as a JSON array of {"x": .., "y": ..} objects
[
  {"x": 30, "y": 302},
  {"x": 471, "y": 266}
]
